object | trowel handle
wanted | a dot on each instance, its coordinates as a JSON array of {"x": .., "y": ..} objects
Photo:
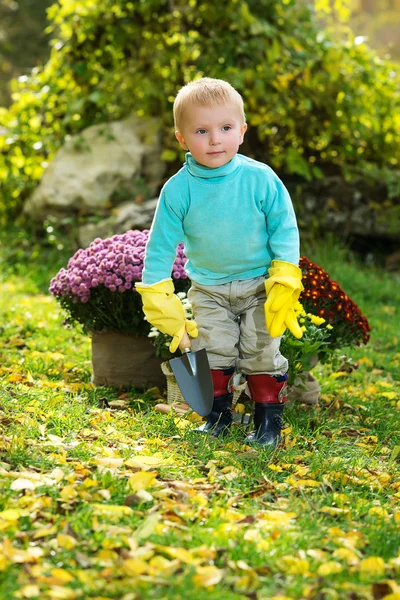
[{"x": 187, "y": 350}]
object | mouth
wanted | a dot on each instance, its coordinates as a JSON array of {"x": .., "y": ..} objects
[{"x": 216, "y": 153}]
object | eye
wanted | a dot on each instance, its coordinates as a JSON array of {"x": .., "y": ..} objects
[
  {"x": 201, "y": 131},
  {"x": 226, "y": 128}
]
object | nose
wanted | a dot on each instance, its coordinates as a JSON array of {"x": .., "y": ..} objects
[{"x": 214, "y": 138}]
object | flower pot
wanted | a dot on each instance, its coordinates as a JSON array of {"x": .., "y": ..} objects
[
  {"x": 306, "y": 389},
  {"x": 173, "y": 392},
  {"x": 122, "y": 360}
]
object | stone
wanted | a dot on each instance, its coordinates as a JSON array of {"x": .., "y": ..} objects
[
  {"x": 129, "y": 215},
  {"x": 354, "y": 210},
  {"x": 93, "y": 169}
]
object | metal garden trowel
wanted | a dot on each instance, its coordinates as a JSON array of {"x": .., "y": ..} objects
[{"x": 193, "y": 376}]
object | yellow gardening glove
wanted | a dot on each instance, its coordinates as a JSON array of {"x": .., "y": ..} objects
[
  {"x": 164, "y": 310},
  {"x": 283, "y": 289}
]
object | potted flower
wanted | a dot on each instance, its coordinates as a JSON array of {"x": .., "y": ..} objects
[
  {"x": 331, "y": 320},
  {"x": 97, "y": 291},
  {"x": 325, "y": 298}
]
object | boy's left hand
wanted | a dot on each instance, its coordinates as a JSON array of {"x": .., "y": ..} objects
[{"x": 283, "y": 289}]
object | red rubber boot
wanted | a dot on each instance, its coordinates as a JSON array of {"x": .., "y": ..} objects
[
  {"x": 220, "y": 418},
  {"x": 269, "y": 395}
]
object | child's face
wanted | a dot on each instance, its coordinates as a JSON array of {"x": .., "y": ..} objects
[{"x": 212, "y": 134}]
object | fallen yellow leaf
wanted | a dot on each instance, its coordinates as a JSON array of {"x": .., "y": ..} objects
[
  {"x": 62, "y": 575},
  {"x": 66, "y": 541},
  {"x": 23, "y": 484},
  {"x": 109, "y": 462},
  {"x": 11, "y": 514},
  {"x": 145, "y": 462},
  {"x": 134, "y": 566},
  {"x": 207, "y": 576},
  {"x": 110, "y": 510},
  {"x": 141, "y": 480},
  {"x": 349, "y": 556},
  {"x": 181, "y": 554},
  {"x": 334, "y": 510},
  {"x": 374, "y": 565},
  {"x": 68, "y": 493},
  {"x": 29, "y": 591},
  {"x": 329, "y": 568},
  {"x": 44, "y": 532}
]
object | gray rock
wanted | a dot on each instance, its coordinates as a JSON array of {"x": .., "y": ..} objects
[
  {"x": 129, "y": 215},
  {"x": 102, "y": 161}
]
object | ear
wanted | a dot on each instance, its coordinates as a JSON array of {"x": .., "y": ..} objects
[
  {"x": 243, "y": 130},
  {"x": 181, "y": 140}
]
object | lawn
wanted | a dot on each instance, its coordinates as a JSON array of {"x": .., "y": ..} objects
[{"x": 102, "y": 503}]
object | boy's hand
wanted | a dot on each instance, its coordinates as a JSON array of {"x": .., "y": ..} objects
[
  {"x": 164, "y": 310},
  {"x": 283, "y": 289}
]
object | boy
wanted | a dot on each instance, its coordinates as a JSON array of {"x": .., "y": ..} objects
[{"x": 241, "y": 239}]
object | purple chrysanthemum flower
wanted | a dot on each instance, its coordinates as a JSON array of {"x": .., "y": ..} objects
[{"x": 115, "y": 263}]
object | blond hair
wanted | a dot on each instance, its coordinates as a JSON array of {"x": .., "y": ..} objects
[{"x": 206, "y": 92}]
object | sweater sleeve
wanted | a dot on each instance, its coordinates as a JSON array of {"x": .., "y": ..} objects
[
  {"x": 166, "y": 233},
  {"x": 283, "y": 233}
]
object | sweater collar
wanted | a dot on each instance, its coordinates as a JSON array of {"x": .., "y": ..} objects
[{"x": 198, "y": 170}]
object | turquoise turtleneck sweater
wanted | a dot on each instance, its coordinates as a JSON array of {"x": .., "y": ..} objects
[{"x": 234, "y": 220}]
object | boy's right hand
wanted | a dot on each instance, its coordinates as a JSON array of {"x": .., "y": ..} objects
[{"x": 164, "y": 310}]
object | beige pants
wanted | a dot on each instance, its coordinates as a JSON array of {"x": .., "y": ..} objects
[{"x": 231, "y": 322}]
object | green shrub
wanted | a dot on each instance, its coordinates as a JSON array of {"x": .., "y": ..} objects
[{"x": 314, "y": 105}]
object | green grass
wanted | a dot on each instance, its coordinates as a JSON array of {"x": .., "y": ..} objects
[{"x": 318, "y": 518}]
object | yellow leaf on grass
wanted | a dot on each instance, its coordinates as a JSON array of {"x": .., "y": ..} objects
[
  {"x": 141, "y": 480},
  {"x": 276, "y": 517},
  {"x": 29, "y": 591},
  {"x": 23, "y": 484},
  {"x": 389, "y": 395},
  {"x": 297, "y": 483},
  {"x": 148, "y": 527},
  {"x": 110, "y": 510},
  {"x": 295, "y": 565},
  {"x": 181, "y": 554},
  {"x": 276, "y": 468},
  {"x": 18, "y": 555},
  {"x": 374, "y": 565},
  {"x": 148, "y": 462},
  {"x": 329, "y": 568},
  {"x": 68, "y": 493},
  {"x": 66, "y": 541},
  {"x": 370, "y": 438},
  {"x": 62, "y": 575},
  {"x": 61, "y": 593},
  {"x": 109, "y": 462},
  {"x": 134, "y": 566},
  {"x": 44, "y": 532},
  {"x": 207, "y": 576},
  {"x": 162, "y": 565},
  {"x": 365, "y": 361},
  {"x": 378, "y": 511},
  {"x": 334, "y": 510},
  {"x": 349, "y": 556},
  {"x": 395, "y": 596},
  {"x": 10, "y": 514}
]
